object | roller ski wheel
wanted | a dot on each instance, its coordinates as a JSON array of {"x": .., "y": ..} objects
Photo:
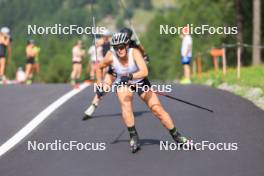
[
  {"x": 182, "y": 140},
  {"x": 134, "y": 144},
  {"x": 89, "y": 112}
]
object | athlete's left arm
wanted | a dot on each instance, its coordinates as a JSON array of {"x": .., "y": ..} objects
[
  {"x": 142, "y": 67},
  {"x": 142, "y": 50},
  {"x": 103, "y": 64}
]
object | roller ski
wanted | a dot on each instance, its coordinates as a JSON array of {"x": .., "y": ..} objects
[
  {"x": 89, "y": 112},
  {"x": 181, "y": 140},
  {"x": 134, "y": 144}
]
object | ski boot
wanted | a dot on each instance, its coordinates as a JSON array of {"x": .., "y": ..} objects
[
  {"x": 134, "y": 144},
  {"x": 89, "y": 112}
]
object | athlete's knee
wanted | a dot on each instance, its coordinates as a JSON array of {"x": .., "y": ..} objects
[
  {"x": 157, "y": 110},
  {"x": 126, "y": 106}
]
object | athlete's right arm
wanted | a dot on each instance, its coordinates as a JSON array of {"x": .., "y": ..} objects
[{"x": 103, "y": 64}]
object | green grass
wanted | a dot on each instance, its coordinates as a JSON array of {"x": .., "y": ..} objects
[
  {"x": 159, "y": 3},
  {"x": 250, "y": 76}
]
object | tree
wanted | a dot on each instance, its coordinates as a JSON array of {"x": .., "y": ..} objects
[
  {"x": 164, "y": 49},
  {"x": 239, "y": 19},
  {"x": 256, "y": 55}
]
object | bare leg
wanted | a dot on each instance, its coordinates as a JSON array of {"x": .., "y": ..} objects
[
  {"x": 108, "y": 80},
  {"x": 125, "y": 97},
  {"x": 28, "y": 70},
  {"x": 187, "y": 71},
  {"x": 73, "y": 74},
  {"x": 152, "y": 101},
  {"x": 93, "y": 70},
  {"x": 78, "y": 71},
  {"x": 2, "y": 67}
]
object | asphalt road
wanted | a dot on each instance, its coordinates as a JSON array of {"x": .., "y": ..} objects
[
  {"x": 20, "y": 103},
  {"x": 235, "y": 120}
]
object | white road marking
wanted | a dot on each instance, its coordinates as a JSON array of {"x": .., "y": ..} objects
[{"x": 21, "y": 134}]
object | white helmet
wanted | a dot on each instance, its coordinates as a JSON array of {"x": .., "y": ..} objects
[
  {"x": 107, "y": 33},
  {"x": 119, "y": 38},
  {"x": 5, "y": 30}
]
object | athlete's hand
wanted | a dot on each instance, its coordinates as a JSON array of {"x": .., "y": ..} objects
[
  {"x": 126, "y": 78},
  {"x": 98, "y": 82},
  {"x": 146, "y": 58}
]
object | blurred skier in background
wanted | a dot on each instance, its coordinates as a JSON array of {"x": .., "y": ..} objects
[
  {"x": 5, "y": 47},
  {"x": 77, "y": 56}
]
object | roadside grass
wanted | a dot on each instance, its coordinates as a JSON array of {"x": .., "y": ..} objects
[{"x": 250, "y": 77}]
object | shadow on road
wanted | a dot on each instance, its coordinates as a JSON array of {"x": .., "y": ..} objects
[
  {"x": 143, "y": 142},
  {"x": 136, "y": 114}
]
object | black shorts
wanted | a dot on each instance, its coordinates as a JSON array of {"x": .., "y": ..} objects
[
  {"x": 30, "y": 60},
  {"x": 76, "y": 62},
  {"x": 142, "y": 86},
  {"x": 111, "y": 71},
  {"x": 186, "y": 60},
  {"x": 2, "y": 51}
]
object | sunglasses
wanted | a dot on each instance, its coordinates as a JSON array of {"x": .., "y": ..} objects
[{"x": 119, "y": 47}]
